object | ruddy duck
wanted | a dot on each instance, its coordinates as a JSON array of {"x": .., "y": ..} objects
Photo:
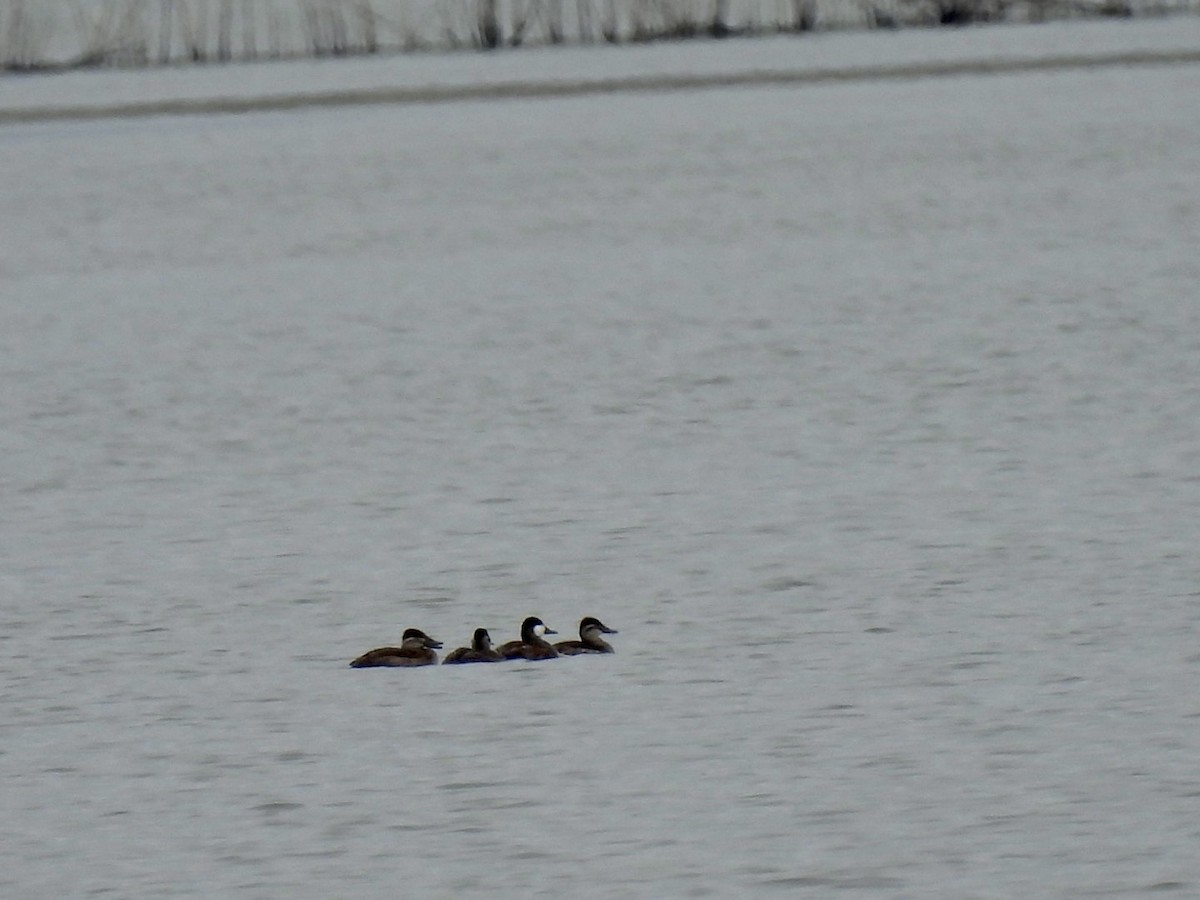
[
  {"x": 416, "y": 649},
  {"x": 531, "y": 645},
  {"x": 589, "y": 641},
  {"x": 481, "y": 650}
]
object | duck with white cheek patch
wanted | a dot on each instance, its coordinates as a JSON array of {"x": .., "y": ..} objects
[{"x": 533, "y": 644}]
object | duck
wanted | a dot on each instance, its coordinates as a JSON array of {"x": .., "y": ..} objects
[
  {"x": 481, "y": 650},
  {"x": 590, "y": 629},
  {"x": 416, "y": 649},
  {"x": 532, "y": 644}
]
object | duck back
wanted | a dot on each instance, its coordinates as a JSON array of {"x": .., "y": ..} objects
[
  {"x": 579, "y": 648},
  {"x": 472, "y": 655},
  {"x": 395, "y": 656},
  {"x": 522, "y": 650}
]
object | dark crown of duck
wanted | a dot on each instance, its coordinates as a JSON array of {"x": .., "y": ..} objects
[
  {"x": 415, "y": 635},
  {"x": 591, "y": 623}
]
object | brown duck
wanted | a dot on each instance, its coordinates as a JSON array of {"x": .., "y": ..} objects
[
  {"x": 481, "y": 650},
  {"x": 590, "y": 629},
  {"x": 416, "y": 649}
]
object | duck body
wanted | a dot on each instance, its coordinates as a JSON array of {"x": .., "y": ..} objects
[
  {"x": 590, "y": 641},
  {"x": 481, "y": 650},
  {"x": 532, "y": 644},
  {"x": 416, "y": 649}
]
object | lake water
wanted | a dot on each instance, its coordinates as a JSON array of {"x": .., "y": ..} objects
[{"x": 869, "y": 414}]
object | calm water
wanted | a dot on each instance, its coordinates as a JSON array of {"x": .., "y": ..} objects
[{"x": 870, "y": 415}]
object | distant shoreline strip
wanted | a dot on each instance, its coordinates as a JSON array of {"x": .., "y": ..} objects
[{"x": 516, "y": 90}]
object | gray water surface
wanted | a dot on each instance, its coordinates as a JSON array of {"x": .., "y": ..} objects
[{"x": 869, "y": 414}]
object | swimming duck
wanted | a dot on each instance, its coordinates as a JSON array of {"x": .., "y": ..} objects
[
  {"x": 416, "y": 649},
  {"x": 590, "y": 629},
  {"x": 531, "y": 645},
  {"x": 481, "y": 650}
]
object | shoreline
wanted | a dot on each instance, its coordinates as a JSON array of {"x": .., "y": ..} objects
[
  {"x": 812, "y": 59},
  {"x": 515, "y": 90}
]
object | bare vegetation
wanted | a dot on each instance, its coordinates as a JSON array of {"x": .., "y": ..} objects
[{"x": 49, "y": 34}]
